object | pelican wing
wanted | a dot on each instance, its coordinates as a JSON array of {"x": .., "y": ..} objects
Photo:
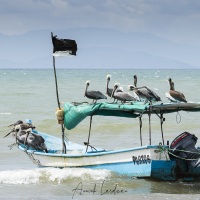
[
  {"x": 177, "y": 95},
  {"x": 124, "y": 96},
  {"x": 170, "y": 97},
  {"x": 96, "y": 95},
  {"x": 153, "y": 94},
  {"x": 143, "y": 93}
]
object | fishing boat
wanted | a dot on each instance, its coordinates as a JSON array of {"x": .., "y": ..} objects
[
  {"x": 180, "y": 160},
  {"x": 164, "y": 161}
]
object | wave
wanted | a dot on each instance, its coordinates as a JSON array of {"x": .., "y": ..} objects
[{"x": 56, "y": 175}]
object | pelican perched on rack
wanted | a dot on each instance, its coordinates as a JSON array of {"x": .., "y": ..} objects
[
  {"x": 110, "y": 90},
  {"x": 144, "y": 92},
  {"x": 93, "y": 94},
  {"x": 122, "y": 96},
  {"x": 173, "y": 95}
]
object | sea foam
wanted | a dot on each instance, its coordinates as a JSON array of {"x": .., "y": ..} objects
[{"x": 56, "y": 175}]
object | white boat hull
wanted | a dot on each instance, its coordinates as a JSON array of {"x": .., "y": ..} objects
[
  {"x": 135, "y": 155},
  {"x": 145, "y": 161},
  {"x": 135, "y": 161}
]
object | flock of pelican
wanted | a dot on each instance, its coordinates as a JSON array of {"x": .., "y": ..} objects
[
  {"x": 139, "y": 93},
  {"x": 24, "y": 135}
]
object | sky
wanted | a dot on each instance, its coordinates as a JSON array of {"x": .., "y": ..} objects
[{"x": 176, "y": 20}]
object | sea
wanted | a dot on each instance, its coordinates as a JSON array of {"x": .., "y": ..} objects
[{"x": 31, "y": 94}]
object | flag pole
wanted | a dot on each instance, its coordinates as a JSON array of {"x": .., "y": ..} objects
[
  {"x": 56, "y": 83},
  {"x": 57, "y": 95}
]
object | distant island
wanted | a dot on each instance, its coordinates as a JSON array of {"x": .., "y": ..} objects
[{"x": 98, "y": 48}]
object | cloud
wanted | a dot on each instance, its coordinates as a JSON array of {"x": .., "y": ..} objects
[{"x": 171, "y": 19}]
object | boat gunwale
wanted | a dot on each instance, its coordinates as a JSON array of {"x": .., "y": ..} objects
[{"x": 91, "y": 153}]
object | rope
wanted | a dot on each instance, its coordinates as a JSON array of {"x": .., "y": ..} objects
[
  {"x": 178, "y": 114},
  {"x": 187, "y": 159},
  {"x": 12, "y": 145},
  {"x": 168, "y": 150},
  {"x": 35, "y": 161},
  {"x": 161, "y": 149}
]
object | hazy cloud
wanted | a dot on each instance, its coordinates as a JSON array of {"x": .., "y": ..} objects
[{"x": 177, "y": 20}]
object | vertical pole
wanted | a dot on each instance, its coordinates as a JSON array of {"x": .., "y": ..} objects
[
  {"x": 89, "y": 133},
  {"x": 54, "y": 67},
  {"x": 140, "y": 118},
  {"x": 149, "y": 127},
  {"x": 161, "y": 126},
  {"x": 62, "y": 126}
]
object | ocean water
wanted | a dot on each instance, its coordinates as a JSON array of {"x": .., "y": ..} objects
[{"x": 30, "y": 94}]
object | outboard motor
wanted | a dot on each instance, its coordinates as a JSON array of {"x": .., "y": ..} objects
[{"x": 183, "y": 146}]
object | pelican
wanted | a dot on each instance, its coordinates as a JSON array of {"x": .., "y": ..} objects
[
  {"x": 110, "y": 90},
  {"x": 144, "y": 92},
  {"x": 23, "y": 134},
  {"x": 30, "y": 139},
  {"x": 22, "y": 125},
  {"x": 93, "y": 94},
  {"x": 122, "y": 96},
  {"x": 19, "y": 125},
  {"x": 173, "y": 95},
  {"x": 36, "y": 141}
]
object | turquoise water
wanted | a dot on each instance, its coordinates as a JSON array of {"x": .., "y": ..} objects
[{"x": 27, "y": 93}]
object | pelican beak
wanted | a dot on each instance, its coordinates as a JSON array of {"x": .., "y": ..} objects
[
  {"x": 11, "y": 125},
  {"x": 8, "y": 133},
  {"x": 16, "y": 123}
]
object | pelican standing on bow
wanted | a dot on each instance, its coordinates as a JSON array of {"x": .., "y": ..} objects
[
  {"x": 122, "y": 96},
  {"x": 19, "y": 125},
  {"x": 173, "y": 95},
  {"x": 93, "y": 94},
  {"x": 144, "y": 92},
  {"x": 32, "y": 140},
  {"x": 24, "y": 135}
]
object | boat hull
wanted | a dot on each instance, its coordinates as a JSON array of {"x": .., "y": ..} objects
[{"x": 143, "y": 162}]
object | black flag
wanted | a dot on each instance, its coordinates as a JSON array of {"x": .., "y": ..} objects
[{"x": 63, "y": 47}]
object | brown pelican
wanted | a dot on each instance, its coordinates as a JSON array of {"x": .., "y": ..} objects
[
  {"x": 122, "y": 96},
  {"x": 93, "y": 94},
  {"x": 32, "y": 140},
  {"x": 24, "y": 135},
  {"x": 19, "y": 125},
  {"x": 144, "y": 92},
  {"x": 110, "y": 90},
  {"x": 174, "y": 95}
]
